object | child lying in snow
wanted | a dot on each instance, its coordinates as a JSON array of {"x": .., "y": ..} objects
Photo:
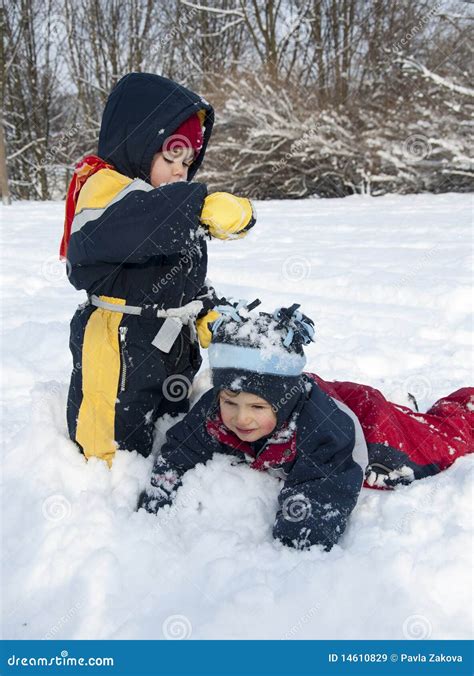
[{"x": 321, "y": 437}]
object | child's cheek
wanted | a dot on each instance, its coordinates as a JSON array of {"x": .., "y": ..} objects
[
  {"x": 268, "y": 424},
  {"x": 225, "y": 417}
]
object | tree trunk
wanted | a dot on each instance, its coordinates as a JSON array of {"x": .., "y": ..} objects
[{"x": 3, "y": 167}]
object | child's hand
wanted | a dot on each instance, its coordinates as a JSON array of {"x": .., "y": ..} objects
[
  {"x": 203, "y": 330},
  {"x": 379, "y": 476},
  {"x": 227, "y": 216},
  {"x": 152, "y": 503}
]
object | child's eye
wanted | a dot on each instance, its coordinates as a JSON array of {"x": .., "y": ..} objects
[
  {"x": 171, "y": 161},
  {"x": 230, "y": 403}
]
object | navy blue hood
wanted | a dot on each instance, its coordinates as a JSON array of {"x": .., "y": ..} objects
[{"x": 141, "y": 112}]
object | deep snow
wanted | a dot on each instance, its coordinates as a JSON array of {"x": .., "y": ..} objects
[{"x": 388, "y": 283}]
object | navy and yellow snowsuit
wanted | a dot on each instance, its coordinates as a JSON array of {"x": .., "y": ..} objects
[{"x": 132, "y": 244}]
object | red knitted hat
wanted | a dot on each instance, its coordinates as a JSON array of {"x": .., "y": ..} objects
[{"x": 187, "y": 135}]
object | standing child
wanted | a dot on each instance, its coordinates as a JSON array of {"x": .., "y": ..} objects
[
  {"x": 321, "y": 437},
  {"x": 135, "y": 240}
]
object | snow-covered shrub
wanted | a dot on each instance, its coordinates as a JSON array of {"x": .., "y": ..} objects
[{"x": 275, "y": 142}]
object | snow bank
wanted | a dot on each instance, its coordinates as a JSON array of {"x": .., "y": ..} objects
[{"x": 387, "y": 282}]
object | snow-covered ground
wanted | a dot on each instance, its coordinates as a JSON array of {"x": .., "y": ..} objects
[{"x": 388, "y": 283}]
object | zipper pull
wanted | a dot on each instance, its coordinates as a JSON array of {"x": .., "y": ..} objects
[{"x": 123, "y": 377}]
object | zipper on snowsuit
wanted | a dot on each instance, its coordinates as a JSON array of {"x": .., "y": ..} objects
[{"x": 123, "y": 337}]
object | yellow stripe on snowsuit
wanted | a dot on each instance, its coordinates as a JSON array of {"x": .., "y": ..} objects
[
  {"x": 100, "y": 191},
  {"x": 100, "y": 378}
]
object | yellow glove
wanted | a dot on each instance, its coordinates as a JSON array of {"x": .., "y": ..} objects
[
  {"x": 227, "y": 216},
  {"x": 203, "y": 330}
]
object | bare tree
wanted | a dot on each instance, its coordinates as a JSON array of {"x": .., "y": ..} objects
[
  {"x": 32, "y": 96},
  {"x": 105, "y": 40},
  {"x": 4, "y": 187},
  {"x": 312, "y": 96}
]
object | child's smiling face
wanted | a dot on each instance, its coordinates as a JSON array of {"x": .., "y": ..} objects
[
  {"x": 171, "y": 166},
  {"x": 248, "y": 416}
]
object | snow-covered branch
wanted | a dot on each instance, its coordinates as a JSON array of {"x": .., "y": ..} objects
[
  {"x": 222, "y": 30},
  {"x": 214, "y": 10},
  {"x": 413, "y": 64},
  {"x": 21, "y": 150}
]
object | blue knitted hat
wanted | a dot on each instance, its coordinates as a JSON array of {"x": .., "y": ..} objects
[{"x": 262, "y": 354}]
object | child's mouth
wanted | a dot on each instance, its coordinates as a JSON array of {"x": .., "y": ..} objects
[{"x": 242, "y": 431}]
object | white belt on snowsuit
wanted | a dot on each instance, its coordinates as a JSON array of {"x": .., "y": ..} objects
[{"x": 175, "y": 319}]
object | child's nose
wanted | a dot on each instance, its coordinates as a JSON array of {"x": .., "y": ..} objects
[{"x": 243, "y": 417}]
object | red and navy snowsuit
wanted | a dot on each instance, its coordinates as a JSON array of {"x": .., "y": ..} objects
[
  {"x": 397, "y": 437},
  {"x": 322, "y": 466},
  {"x": 132, "y": 244}
]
